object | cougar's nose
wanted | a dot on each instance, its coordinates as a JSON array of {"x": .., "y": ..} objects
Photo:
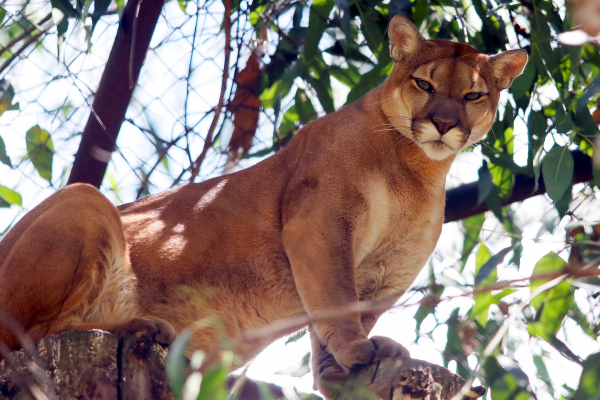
[{"x": 443, "y": 125}]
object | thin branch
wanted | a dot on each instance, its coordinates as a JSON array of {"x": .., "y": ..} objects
[
  {"x": 22, "y": 48},
  {"x": 208, "y": 141},
  {"x": 24, "y": 34}
]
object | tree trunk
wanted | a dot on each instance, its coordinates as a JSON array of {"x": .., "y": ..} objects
[
  {"x": 92, "y": 365},
  {"x": 114, "y": 92}
]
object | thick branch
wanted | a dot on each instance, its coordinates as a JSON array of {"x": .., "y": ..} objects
[
  {"x": 461, "y": 202},
  {"x": 115, "y": 90}
]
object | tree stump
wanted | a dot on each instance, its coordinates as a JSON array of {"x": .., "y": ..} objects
[{"x": 93, "y": 365}]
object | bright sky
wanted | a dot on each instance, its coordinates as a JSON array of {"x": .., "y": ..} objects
[{"x": 163, "y": 115}]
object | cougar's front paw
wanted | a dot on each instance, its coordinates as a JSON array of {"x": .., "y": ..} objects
[
  {"x": 365, "y": 351},
  {"x": 146, "y": 330},
  {"x": 353, "y": 354},
  {"x": 386, "y": 347}
]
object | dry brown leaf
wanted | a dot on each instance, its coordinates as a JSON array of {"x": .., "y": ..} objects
[{"x": 245, "y": 107}]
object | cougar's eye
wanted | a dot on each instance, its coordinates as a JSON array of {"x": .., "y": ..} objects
[
  {"x": 424, "y": 85},
  {"x": 472, "y": 96}
]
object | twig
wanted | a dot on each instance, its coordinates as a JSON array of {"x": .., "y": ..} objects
[
  {"x": 133, "y": 35},
  {"x": 24, "y": 34},
  {"x": 22, "y": 48},
  {"x": 297, "y": 322},
  {"x": 208, "y": 141}
]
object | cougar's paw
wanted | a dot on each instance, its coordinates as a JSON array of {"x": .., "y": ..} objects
[
  {"x": 355, "y": 353},
  {"x": 366, "y": 351},
  {"x": 386, "y": 347},
  {"x": 146, "y": 330}
]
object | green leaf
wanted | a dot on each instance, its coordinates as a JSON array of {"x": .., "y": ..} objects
[
  {"x": 472, "y": 227},
  {"x": 4, "y": 159},
  {"x": 484, "y": 184},
  {"x": 213, "y": 385},
  {"x": 542, "y": 372},
  {"x": 557, "y": 169},
  {"x": 373, "y": 78},
  {"x": 550, "y": 263},
  {"x": 177, "y": 363},
  {"x": 556, "y": 306},
  {"x": 371, "y": 29},
  {"x": 503, "y": 179},
  {"x": 484, "y": 271},
  {"x": 40, "y": 150},
  {"x": 482, "y": 303},
  {"x": 304, "y": 107},
  {"x": 589, "y": 383},
  {"x": 537, "y": 126},
  {"x": 317, "y": 22},
  {"x": 2, "y": 14},
  {"x": 10, "y": 196},
  {"x": 7, "y": 93}
]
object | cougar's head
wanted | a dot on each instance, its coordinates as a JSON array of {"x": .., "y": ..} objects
[{"x": 443, "y": 95}]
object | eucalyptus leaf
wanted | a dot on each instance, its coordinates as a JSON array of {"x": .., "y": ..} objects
[
  {"x": 11, "y": 196},
  {"x": 557, "y": 169},
  {"x": 4, "y": 159},
  {"x": 40, "y": 150}
]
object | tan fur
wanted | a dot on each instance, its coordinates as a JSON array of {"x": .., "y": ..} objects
[{"x": 350, "y": 210}]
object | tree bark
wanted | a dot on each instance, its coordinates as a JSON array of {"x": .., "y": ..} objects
[
  {"x": 115, "y": 90},
  {"x": 94, "y": 365},
  {"x": 461, "y": 202}
]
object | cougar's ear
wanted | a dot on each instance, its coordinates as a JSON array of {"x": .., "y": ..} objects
[
  {"x": 508, "y": 65},
  {"x": 404, "y": 38}
]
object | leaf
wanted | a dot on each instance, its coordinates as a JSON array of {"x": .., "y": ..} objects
[
  {"x": 485, "y": 270},
  {"x": 542, "y": 372},
  {"x": 537, "y": 126},
  {"x": 7, "y": 93},
  {"x": 2, "y": 14},
  {"x": 556, "y": 306},
  {"x": 40, "y": 150},
  {"x": 371, "y": 29},
  {"x": 472, "y": 227},
  {"x": 503, "y": 179},
  {"x": 100, "y": 7},
  {"x": 484, "y": 184},
  {"x": 245, "y": 108},
  {"x": 177, "y": 363},
  {"x": 482, "y": 303},
  {"x": 304, "y": 107},
  {"x": 343, "y": 8},
  {"x": 11, "y": 196},
  {"x": 557, "y": 169},
  {"x": 589, "y": 383},
  {"x": 213, "y": 385},
  {"x": 66, "y": 8},
  {"x": 4, "y": 159},
  {"x": 373, "y": 78},
  {"x": 550, "y": 263},
  {"x": 317, "y": 22}
]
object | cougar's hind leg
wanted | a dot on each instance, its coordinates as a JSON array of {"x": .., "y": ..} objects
[{"x": 65, "y": 266}]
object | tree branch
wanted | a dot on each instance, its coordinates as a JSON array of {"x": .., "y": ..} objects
[
  {"x": 208, "y": 141},
  {"x": 114, "y": 92},
  {"x": 461, "y": 202}
]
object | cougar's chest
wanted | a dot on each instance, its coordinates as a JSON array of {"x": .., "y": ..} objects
[{"x": 395, "y": 237}]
